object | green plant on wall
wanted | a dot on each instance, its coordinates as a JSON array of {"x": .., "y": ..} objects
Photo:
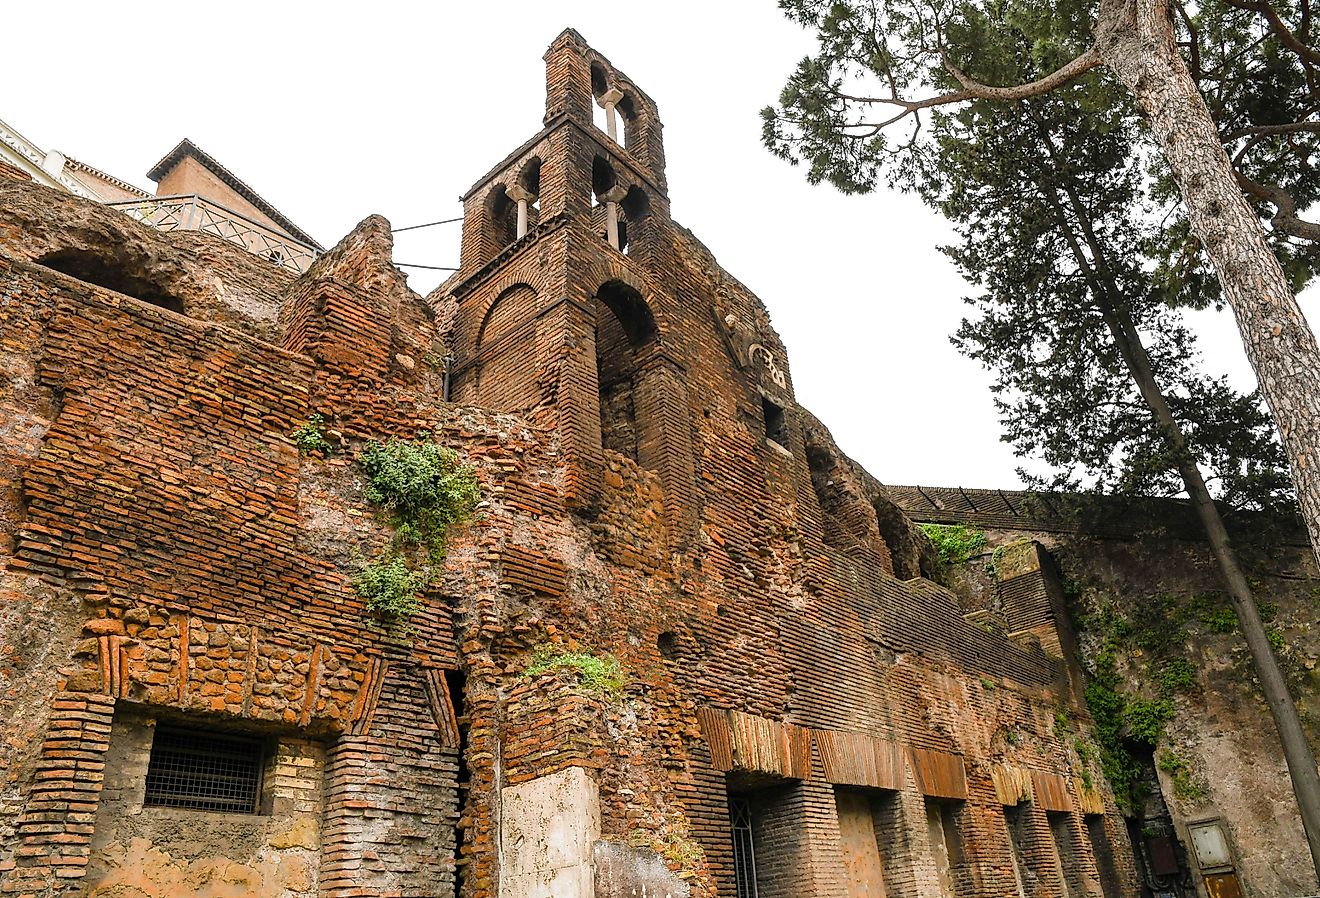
[
  {"x": 310, "y": 436},
  {"x": 1185, "y": 784},
  {"x": 955, "y": 543},
  {"x": 596, "y": 673},
  {"x": 423, "y": 489},
  {"x": 390, "y": 588}
]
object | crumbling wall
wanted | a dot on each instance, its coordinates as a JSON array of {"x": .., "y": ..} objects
[
  {"x": 1143, "y": 611},
  {"x": 210, "y": 278}
]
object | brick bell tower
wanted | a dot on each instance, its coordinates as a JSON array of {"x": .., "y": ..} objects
[{"x": 562, "y": 311}]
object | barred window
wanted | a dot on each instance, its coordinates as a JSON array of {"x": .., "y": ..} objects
[
  {"x": 204, "y": 771},
  {"x": 744, "y": 854}
]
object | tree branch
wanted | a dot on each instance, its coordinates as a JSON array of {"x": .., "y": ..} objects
[
  {"x": 1285, "y": 219},
  {"x": 975, "y": 90},
  {"x": 1279, "y": 27},
  {"x": 1267, "y": 130}
]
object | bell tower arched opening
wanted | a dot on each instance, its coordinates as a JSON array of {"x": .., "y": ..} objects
[{"x": 625, "y": 329}]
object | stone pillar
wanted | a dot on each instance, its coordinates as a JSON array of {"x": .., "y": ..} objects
[
  {"x": 523, "y": 197},
  {"x": 548, "y": 829},
  {"x": 611, "y": 198},
  {"x": 609, "y": 101}
]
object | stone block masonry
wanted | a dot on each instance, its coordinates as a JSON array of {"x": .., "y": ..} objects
[{"x": 652, "y": 497}]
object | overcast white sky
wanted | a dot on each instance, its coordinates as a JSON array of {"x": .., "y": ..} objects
[{"x": 334, "y": 111}]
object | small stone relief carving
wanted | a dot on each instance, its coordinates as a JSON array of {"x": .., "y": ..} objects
[{"x": 771, "y": 366}]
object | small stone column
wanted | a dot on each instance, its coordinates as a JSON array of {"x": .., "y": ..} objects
[
  {"x": 523, "y": 197},
  {"x": 611, "y": 198},
  {"x": 609, "y": 101}
]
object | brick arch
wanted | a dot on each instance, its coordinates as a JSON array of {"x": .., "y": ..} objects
[
  {"x": 605, "y": 270},
  {"x": 504, "y": 350},
  {"x": 499, "y": 217},
  {"x": 513, "y": 306}
]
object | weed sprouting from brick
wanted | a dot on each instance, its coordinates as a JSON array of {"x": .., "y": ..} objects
[
  {"x": 423, "y": 489},
  {"x": 390, "y": 588},
  {"x": 596, "y": 673},
  {"x": 310, "y": 436},
  {"x": 955, "y": 543}
]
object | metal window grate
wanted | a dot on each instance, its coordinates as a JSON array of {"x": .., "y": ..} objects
[
  {"x": 204, "y": 771},
  {"x": 744, "y": 856}
]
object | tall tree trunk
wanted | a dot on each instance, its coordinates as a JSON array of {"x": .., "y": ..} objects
[
  {"x": 1113, "y": 308},
  {"x": 1137, "y": 42}
]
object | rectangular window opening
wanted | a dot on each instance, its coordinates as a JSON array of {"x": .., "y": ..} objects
[
  {"x": 744, "y": 852},
  {"x": 1069, "y": 863},
  {"x": 867, "y": 824},
  {"x": 1018, "y": 841},
  {"x": 776, "y": 423},
  {"x": 945, "y": 842},
  {"x": 1103, "y": 851},
  {"x": 204, "y": 771}
]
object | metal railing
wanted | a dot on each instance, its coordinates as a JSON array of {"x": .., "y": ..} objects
[{"x": 190, "y": 212}]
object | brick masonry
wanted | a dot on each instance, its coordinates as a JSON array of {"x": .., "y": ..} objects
[{"x": 651, "y": 490}]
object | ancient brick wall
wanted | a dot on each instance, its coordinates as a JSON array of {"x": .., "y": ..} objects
[
  {"x": 650, "y": 491},
  {"x": 1144, "y": 595}
]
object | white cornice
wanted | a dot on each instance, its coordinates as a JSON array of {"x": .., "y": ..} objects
[{"x": 30, "y": 158}]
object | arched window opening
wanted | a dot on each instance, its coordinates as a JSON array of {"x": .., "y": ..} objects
[
  {"x": 829, "y": 495},
  {"x": 897, "y": 532},
  {"x": 603, "y": 179},
  {"x": 634, "y": 208},
  {"x": 629, "y": 128},
  {"x": 502, "y": 213},
  {"x": 525, "y": 194},
  {"x": 530, "y": 180},
  {"x": 608, "y": 106},
  {"x": 111, "y": 274},
  {"x": 504, "y": 380},
  {"x": 608, "y": 192},
  {"x": 599, "y": 80},
  {"x": 624, "y": 326}
]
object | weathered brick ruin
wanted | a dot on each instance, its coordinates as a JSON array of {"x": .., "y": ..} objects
[{"x": 805, "y": 711}]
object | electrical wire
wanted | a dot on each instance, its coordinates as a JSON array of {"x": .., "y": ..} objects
[{"x": 429, "y": 224}]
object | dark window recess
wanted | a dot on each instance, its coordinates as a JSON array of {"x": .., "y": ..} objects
[
  {"x": 744, "y": 855},
  {"x": 776, "y": 426},
  {"x": 204, "y": 772}
]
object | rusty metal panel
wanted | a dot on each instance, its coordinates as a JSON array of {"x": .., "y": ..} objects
[
  {"x": 715, "y": 727},
  {"x": 741, "y": 741},
  {"x": 1090, "y": 800},
  {"x": 938, "y": 774},
  {"x": 855, "y": 759},
  {"x": 1223, "y": 885},
  {"x": 1050, "y": 791},
  {"x": 758, "y": 743},
  {"x": 1163, "y": 859}
]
